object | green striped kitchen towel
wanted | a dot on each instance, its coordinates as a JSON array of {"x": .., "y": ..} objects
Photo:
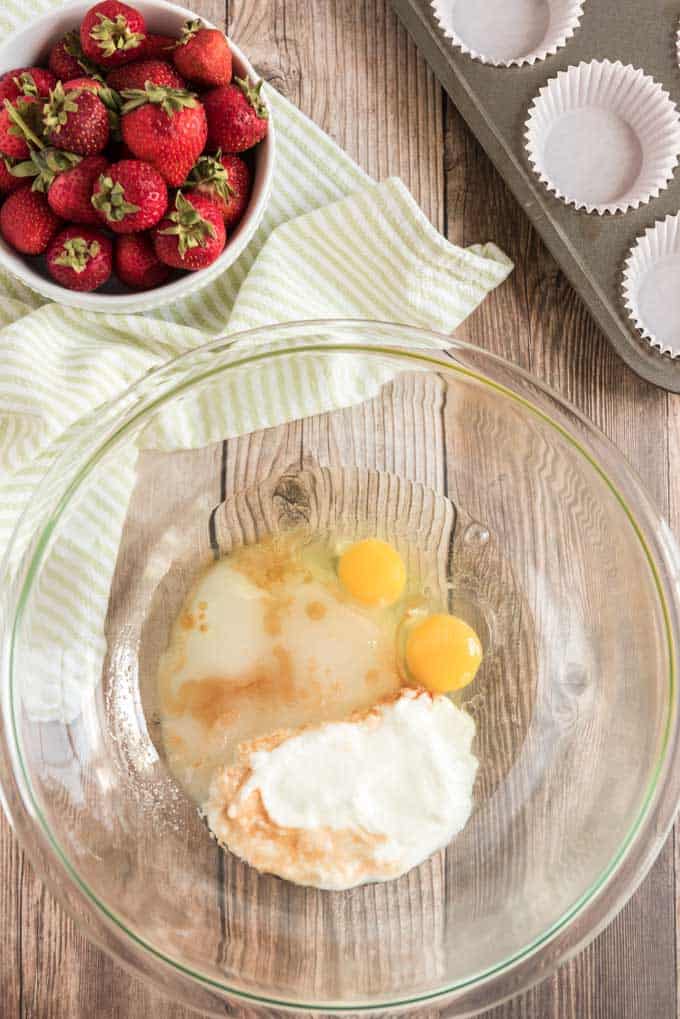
[{"x": 332, "y": 244}]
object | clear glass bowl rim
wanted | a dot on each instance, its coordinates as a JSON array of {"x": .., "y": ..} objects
[{"x": 638, "y": 851}]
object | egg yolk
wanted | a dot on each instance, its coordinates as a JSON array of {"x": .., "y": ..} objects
[
  {"x": 373, "y": 572},
  {"x": 443, "y": 653}
]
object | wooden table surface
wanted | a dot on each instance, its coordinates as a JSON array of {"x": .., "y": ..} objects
[{"x": 351, "y": 67}]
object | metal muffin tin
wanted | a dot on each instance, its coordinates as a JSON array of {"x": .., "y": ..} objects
[{"x": 495, "y": 101}]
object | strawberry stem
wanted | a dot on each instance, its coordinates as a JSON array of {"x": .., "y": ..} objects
[
  {"x": 76, "y": 253},
  {"x": 171, "y": 100},
  {"x": 189, "y": 30},
  {"x": 189, "y": 226},
  {"x": 252, "y": 94},
  {"x": 209, "y": 170},
  {"x": 45, "y": 165},
  {"x": 57, "y": 108},
  {"x": 110, "y": 199},
  {"x": 113, "y": 102},
  {"x": 75, "y": 50},
  {"x": 114, "y": 35},
  {"x": 26, "y": 84},
  {"x": 23, "y": 128}
]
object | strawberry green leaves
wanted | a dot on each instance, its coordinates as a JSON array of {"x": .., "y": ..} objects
[
  {"x": 77, "y": 252},
  {"x": 171, "y": 100},
  {"x": 113, "y": 35},
  {"x": 111, "y": 201},
  {"x": 44, "y": 166},
  {"x": 189, "y": 226}
]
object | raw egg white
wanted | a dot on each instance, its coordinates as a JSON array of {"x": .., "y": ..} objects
[
  {"x": 291, "y": 663},
  {"x": 267, "y": 639}
]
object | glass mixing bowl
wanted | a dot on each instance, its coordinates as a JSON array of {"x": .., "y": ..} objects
[{"x": 541, "y": 537}]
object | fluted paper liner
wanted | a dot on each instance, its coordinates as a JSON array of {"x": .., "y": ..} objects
[
  {"x": 508, "y": 33},
  {"x": 603, "y": 136},
  {"x": 651, "y": 285}
]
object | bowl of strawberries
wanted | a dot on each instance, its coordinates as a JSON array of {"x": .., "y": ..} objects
[{"x": 136, "y": 154}]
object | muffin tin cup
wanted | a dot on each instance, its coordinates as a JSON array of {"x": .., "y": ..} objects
[
  {"x": 508, "y": 33},
  {"x": 603, "y": 136},
  {"x": 650, "y": 285}
]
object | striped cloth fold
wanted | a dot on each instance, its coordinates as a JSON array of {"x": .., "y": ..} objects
[{"x": 332, "y": 244}]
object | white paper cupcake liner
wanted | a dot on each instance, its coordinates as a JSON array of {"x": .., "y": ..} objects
[
  {"x": 603, "y": 136},
  {"x": 651, "y": 285},
  {"x": 508, "y": 33}
]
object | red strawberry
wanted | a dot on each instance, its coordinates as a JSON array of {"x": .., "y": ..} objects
[
  {"x": 136, "y": 263},
  {"x": 112, "y": 33},
  {"x": 67, "y": 59},
  {"x": 193, "y": 235},
  {"x": 62, "y": 62},
  {"x": 158, "y": 72},
  {"x": 157, "y": 47},
  {"x": 80, "y": 258},
  {"x": 70, "y": 193},
  {"x": 36, "y": 81},
  {"x": 91, "y": 84},
  {"x": 26, "y": 221},
  {"x": 44, "y": 165},
  {"x": 8, "y": 181},
  {"x": 108, "y": 96},
  {"x": 237, "y": 116},
  {"x": 131, "y": 196},
  {"x": 8, "y": 86},
  {"x": 202, "y": 55},
  {"x": 16, "y": 123},
  {"x": 166, "y": 127},
  {"x": 26, "y": 81},
  {"x": 76, "y": 121},
  {"x": 225, "y": 179}
]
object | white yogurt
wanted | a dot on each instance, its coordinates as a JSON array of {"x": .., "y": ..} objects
[{"x": 404, "y": 773}]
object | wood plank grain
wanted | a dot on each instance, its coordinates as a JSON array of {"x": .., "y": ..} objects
[
  {"x": 265, "y": 945},
  {"x": 537, "y": 321},
  {"x": 375, "y": 435},
  {"x": 351, "y": 67},
  {"x": 340, "y": 62},
  {"x": 313, "y": 53},
  {"x": 50, "y": 971},
  {"x": 265, "y": 481}
]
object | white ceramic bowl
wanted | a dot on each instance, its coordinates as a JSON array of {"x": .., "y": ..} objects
[{"x": 30, "y": 47}]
